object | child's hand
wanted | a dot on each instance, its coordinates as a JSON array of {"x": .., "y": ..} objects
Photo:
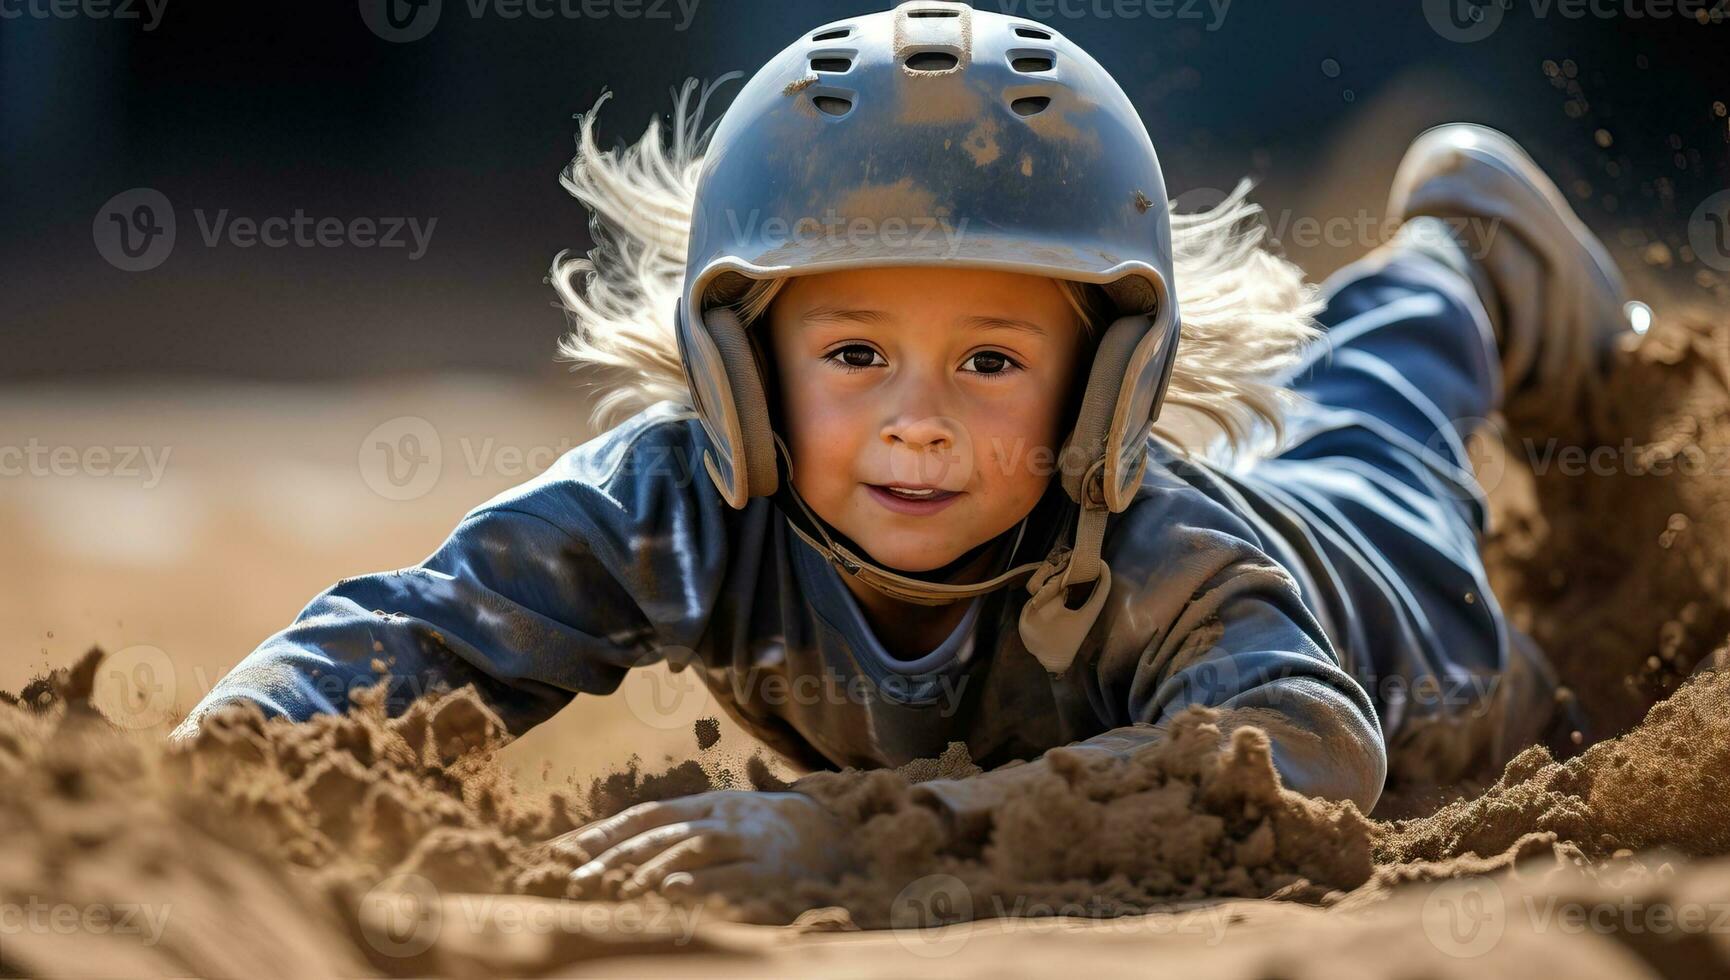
[{"x": 728, "y": 841}]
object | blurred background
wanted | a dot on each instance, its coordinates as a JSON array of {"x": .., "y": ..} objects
[{"x": 186, "y": 419}]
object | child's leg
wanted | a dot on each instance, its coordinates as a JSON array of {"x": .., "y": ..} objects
[
  {"x": 1377, "y": 474},
  {"x": 1409, "y": 344}
]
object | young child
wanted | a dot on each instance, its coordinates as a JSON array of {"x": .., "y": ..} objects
[{"x": 909, "y": 316}]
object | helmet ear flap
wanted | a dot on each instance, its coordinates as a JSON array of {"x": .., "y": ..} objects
[
  {"x": 744, "y": 371},
  {"x": 1086, "y": 443},
  {"x": 1125, "y": 386},
  {"x": 726, "y": 382}
]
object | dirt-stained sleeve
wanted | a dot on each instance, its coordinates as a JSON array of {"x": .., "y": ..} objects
[
  {"x": 611, "y": 559},
  {"x": 1200, "y": 615}
]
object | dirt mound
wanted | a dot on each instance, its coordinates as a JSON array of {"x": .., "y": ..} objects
[
  {"x": 1612, "y": 540},
  {"x": 308, "y": 839},
  {"x": 1199, "y": 815},
  {"x": 304, "y": 833}
]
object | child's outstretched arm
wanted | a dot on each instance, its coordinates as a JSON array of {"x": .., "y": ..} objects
[
  {"x": 608, "y": 561},
  {"x": 1200, "y": 615}
]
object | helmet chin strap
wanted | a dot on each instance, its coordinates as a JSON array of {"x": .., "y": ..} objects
[
  {"x": 815, "y": 532},
  {"x": 1050, "y": 628}
]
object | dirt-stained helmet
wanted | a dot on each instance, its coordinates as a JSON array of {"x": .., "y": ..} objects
[{"x": 935, "y": 133}]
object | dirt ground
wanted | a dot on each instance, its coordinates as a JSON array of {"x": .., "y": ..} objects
[{"x": 413, "y": 846}]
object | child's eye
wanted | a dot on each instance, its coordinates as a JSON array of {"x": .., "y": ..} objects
[
  {"x": 990, "y": 362},
  {"x": 855, "y": 357}
]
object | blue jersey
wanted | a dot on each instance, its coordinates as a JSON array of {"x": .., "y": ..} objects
[{"x": 1332, "y": 594}]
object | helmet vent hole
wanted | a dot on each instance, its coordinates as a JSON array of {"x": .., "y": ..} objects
[
  {"x": 833, "y": 35},
  {"x": 934, "y": 13},
  {"x": 1033, "y": 63},
  {"x": 831, "y": 64},
  {"x": 1031, "y": 106},
  {"x": 932, "y": 60},
  {"x": 1037, "y": 35},
  {"x": 833, "y": 105}
]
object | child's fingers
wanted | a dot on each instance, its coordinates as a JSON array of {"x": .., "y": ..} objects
[
  {"x": 737, "y": 878},
  {"x": 602, "y": 835},
  {"x": 635, "y": 851},
  {"x": 609, "y": 868},
  {"x": 691, "y": 854}
]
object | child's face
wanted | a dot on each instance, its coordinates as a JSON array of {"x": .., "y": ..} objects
[{"x": 950, "y": 381}]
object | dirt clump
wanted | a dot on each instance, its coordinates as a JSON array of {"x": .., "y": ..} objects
[
  {"x": 708, "y": 732},
  {"x": 1665, "y": 784}
]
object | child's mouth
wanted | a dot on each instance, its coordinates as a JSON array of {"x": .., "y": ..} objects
[{"x": 912, "y": 500}]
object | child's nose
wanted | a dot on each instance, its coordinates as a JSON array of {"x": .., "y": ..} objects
[
  {"x": 919, "y": 432},
  {"x": 929, "y": 451}
]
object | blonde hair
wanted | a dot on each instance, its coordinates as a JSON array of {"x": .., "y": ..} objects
[{"x": 1247, "y": 313}]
